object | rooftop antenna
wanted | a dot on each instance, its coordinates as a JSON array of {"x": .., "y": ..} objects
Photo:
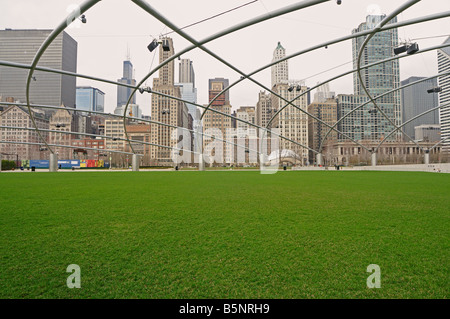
[{"x": 128, "y": 53}]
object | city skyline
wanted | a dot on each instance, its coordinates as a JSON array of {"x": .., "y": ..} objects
[{"x": 251, "y": 54}]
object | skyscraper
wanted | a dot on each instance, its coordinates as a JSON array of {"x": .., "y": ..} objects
[
  {"x": 189, "y": 93},
  {"x": 213, "y": 120},
  {"x": 368, "y": 123},
  {"x": 264, "y": 110},
  {"x": 186, "y": 72},
  {"x": 90, "y": 99},
  {"x": 280, "y": 71},
  {"x": 21, "y": 46},
  {"x": 416, "y": 100},
  {"x": 326, "y": 110},
  {"x": 165, "y": 109},
  {"x": 444, "y": 96},
  {"x": 123, "y": 93}
]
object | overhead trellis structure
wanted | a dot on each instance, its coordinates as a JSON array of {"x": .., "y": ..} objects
[{"x": 382, "y": 26}]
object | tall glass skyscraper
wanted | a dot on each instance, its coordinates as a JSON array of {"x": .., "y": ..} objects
[
  {"x": 367, "y": 123},
  {"x": 123, "y": 93},
  {"x": 20, "y": 46},
  {"x": 90, "y": 99}
]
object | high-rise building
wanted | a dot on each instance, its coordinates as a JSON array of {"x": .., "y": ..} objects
[
  {"x": 292, "y": 122},
  {"x": 123, "y": 93},
  {"x": 216, "y": 121},
  {"x": 327, "y": 112},
  {"x": 280, "y": 71},
  {"x": 114, "y": 129},
  {"x": 186, "y": 72},
  {"x": 165, "y": 109},
  {"x": 248, "y": 114},
  {"x": 416, "y": 100},
  {"x": 323, "y": 93},
  {"x": 90, "y": 99},
  {"x": 444, "y": 96},
  {"x": 378, "y": 80},
  {"x": 264, "y": 110},
  {"x": 21, "y": 46}
]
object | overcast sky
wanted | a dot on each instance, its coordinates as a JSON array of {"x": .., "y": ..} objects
[{"x": 115, "y": 26}]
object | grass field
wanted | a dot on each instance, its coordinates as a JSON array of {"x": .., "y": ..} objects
[{"x": 224, "y": 234}]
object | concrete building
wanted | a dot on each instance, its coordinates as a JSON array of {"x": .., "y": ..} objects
[
  {"x": 186, "y": 72},
  {"x": 17, "y": 116},
  {"x": 90, "y": 99},
  {"x": 114, "y": 128},
  {"x": 325, "y": 110},
  {"x": 444, "y": 96},
  {"x": 292, "y": 122},
  {"x": 21, "y": 46},
  {"x": 280, "y": 71},
  {"x": 247, "y": 136},
  {"x": 264, "y": 110},
  {"x": 123, "y": 93},
  {"x": 140, "y": 132},
  {"x": 82, "y": 153},
  {"x": 394, "y": 152},
  {"x": 165, "y": 109},
  {"x": 323, "y": 93},
  {"x": 378, "y": 80},
  {"x": 428, "y": 132},
  {"x": 416, "y": 100},
  {"x": 62, "y": 120}
]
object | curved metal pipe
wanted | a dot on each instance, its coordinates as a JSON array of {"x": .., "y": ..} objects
[
  {"x": 52, "y": 36},
  {"x": 377, "y": 29}
]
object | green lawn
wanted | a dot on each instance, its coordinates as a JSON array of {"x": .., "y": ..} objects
[{"x": 224, "y": 234}]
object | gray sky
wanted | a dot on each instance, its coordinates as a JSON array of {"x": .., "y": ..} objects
[{"x": 115, "y": 25}]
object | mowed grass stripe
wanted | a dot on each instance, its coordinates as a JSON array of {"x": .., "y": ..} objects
[{"x": 224, "y": 234}]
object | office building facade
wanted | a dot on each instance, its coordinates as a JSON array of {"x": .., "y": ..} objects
[
  {"x": 443, "y": 55},
  {"x": 21, "y": 46},
  {"x": 416, "y": 100},
  {"x": 90, "y": 99}
]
